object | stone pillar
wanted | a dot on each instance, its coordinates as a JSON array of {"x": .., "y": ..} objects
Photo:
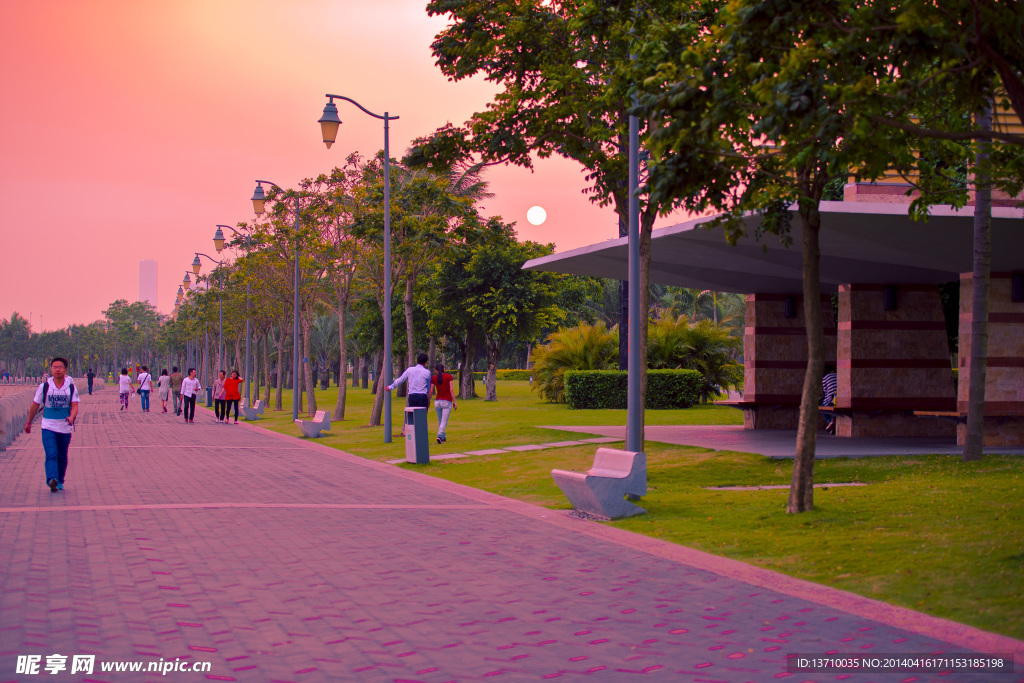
[
  {"x": 892, "y": 362},
  {"x": 775, "y": 358},
  {"x": 1004, "y": 377}
]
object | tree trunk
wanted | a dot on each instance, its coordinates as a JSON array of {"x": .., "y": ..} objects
[
  {"x": 410, "y": 340},
  {"x": 467, "y": 385},
  {"x": 364, "y": 371},
  {"x": 801, "y": 488},
  {"x": 238, "y": 353},
  {"x": 378, "y": 387},
  {"x": 339, "y": 407},
  {"x": 402, "y": 391},
  {"x": 356, "y": 370},
  {"x": 307, "y": 367},
  {"x": 282, "y": 353},
  {"x": 493, "y": 355},
  {"x": 376, "y": 365},
  {"x": 981, "y": 271},
  {"x": 266, "y": 367},
  {"x": 432, "y": 353}
]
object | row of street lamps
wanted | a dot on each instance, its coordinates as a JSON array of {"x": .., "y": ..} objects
[{"x": 329, "y": 124}]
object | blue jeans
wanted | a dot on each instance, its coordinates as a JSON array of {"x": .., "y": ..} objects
[
  {"x": 56, "y": 446},
  {"x": 444, "y": 410},
  {"x": 144, "y": 393}
]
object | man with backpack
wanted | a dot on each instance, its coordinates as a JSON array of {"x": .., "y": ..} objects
[
  {"x": 145, "y": 386},
  {"x": 59, "y": 400}
]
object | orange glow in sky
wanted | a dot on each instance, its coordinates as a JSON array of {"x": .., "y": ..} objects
[{"x": 129, "y": 129}]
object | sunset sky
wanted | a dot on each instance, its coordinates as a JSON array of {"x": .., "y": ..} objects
[{"x": 129, "y": 129}]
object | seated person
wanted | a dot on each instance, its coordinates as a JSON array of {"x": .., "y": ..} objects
[{"x": 829, "y": 383}]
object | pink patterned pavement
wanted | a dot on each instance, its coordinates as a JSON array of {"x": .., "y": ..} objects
[{"x": 278, "y": 559}]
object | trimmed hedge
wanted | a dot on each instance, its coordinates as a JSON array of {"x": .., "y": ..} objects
[
  {"x": 507, "y": 375},
  {"x": 588, "y": 389}
]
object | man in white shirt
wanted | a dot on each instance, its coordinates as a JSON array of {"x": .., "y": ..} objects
[
  {"x": 419, "y": 382},
  {"x": 59, "y": 400},
  {"x": 190, "y": 388}
]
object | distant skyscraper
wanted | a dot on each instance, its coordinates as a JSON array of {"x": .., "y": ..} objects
[{"x": 147, "y": 281}]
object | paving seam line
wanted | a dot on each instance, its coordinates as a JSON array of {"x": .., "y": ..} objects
[{"x": 891, "y": 615}]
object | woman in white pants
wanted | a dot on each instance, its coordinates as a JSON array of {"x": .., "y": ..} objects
[{"x": 441, "y": 385}]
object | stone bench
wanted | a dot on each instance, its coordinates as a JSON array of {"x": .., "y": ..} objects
[
  {"x": 603, "y": 490},
  {"x": 253, "y": 413},
  {"x": 321, "y": 422}
]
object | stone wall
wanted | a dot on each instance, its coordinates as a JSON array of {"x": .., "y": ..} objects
[
  {"x": 894, "y": 360},
  {"x": 775, "y": 358},
  {"x": 1004, "y": 379}
]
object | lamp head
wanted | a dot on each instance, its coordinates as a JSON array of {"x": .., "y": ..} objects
[
  {"x": 258, "y": 199},
  {"x": 329, "y": 123},
  {"x": 196, "y": 265},
  {"x": 218, "y": 240},
  {"x": 187, "y": 282},
  {"x": 181, "y": 295}
]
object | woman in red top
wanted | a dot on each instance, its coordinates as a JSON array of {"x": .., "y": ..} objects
[
  {"x": 231, "y": 394},
  {"x": 445, "y": 403}
]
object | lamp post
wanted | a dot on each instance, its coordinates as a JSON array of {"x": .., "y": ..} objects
[
  {"x": 329, "y": 124},
  {"x": 218, "y": 243},
  {"x": 186, "y": 282},
  {"x": 258, "y": 200},
  {"x": 196, "y": 266}
]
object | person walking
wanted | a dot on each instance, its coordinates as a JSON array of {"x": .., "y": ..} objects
[
  {"x": 59, "y": 400},
  {"x": 444, "y": 404},
  {"x": 218, "y": 398},
  {"x": 419, "y": 384},
  {"x": 89, "y": 377},
  {"x": 190, "y": 388},
  {"x": 176, "y": 390},
  {"x": 164, "y": 389},
  {"x": 125, "y": 387},
  {"x": 232, "y": 394},
  {"x": 145, "y": 386}
]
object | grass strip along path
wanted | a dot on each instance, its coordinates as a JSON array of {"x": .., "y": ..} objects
[{"x": 930, "y": 533}]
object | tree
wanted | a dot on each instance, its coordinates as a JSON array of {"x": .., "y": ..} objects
[
  {"x": 967, "y": 54},
  {"x": 747, "y": 114},
  {"x": 509, "y": 303},
  {"x": 564, "y": 90}
]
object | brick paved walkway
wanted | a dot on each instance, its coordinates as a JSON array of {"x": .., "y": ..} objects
[{"x": 276, "y": 559}]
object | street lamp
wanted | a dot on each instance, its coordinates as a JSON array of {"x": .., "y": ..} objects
[
  {"x": 258, "y": 200},
  {"x": 218, "y": 243},
  {"x": 186, "y": 282},
  {"x": 196, "y": 266},
  {"x": 329, "y": 124}
]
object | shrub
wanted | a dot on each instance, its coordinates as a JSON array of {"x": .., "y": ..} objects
[
  {"x": 508, "y": 375},
  {"x": 705, "y": 347},
  {"x": 587, "y": 347},
  {"x": 588, "y": 389},
  {"x": 515, "y": 375}
]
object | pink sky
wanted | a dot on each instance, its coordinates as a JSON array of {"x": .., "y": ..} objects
[{"x": 129, "y": 129}]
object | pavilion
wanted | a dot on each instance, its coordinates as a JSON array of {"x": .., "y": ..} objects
[{"x": 890, "y": 344}]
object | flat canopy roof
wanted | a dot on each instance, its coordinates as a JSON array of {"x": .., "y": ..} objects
[{"x": 861, "y": 242}]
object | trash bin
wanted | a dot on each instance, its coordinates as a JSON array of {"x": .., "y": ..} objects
[
  {"x": 416, "y": 444},
  {"x": 209, "y": 397}
]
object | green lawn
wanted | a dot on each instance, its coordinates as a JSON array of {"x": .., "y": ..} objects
[{"x": 931, "y": 533}]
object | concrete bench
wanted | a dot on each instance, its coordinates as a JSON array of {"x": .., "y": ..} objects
[
  {"x": 253, "y": 413},
  {"x": 603, "y": 490},
  {"x": 321, "y": 422}
]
